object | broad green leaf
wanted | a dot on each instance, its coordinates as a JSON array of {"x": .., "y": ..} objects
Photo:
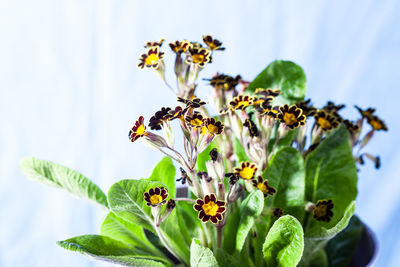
[
  {"x": 250, "y": 209},
  {"x": 286, "y": 174},
  {"x": 239, "y": 151},
  {"x": 331, "y": 174},
  {"x": 230, "y": 231},
  {"x": 343, "y": 246},
  {"x": 126, "y": 232},
  {"x": 108, "y": 249},
  {"x": 203, "y": 157},
  {"x": 325, "y": 232},
  {"x": 261, "y": 227},
  {"x": 56, "y": 175},
  {"x": 319, "y": 259},
  {"x": 126, "y": 199},
  {"x": 201, "y": 256},
  {"x": 226, "y": 259},
  {"x": 284, "y": 243},
  {"x": 284, "y": 75},
  {"x": 164, "y": 172},
  {"x": 189, "y": 224},
  {"x": 176, "y": 235},
  {"x": 317, "y": 237}
]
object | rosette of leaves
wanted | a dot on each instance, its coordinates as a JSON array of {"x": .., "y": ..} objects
[{"x": 252, "y": 236}]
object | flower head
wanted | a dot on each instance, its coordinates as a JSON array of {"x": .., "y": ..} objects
[
  {"x": 365, "y": 113},
  {"x": 150, "y": 44},
  {"x": 241, "y": 102},
  {"x": 152, "y": 58},
  {"x": 179, "y": 47},
  {"x": 291, "y": 116},
  {"x": 210, "y": 208},
  {"x": 376, "y": 123},
  {"x": 195, "y": 121},
  {"x": 278, "y": 212},
  {"x": 252, "y": 127},
  {"x": 176, "y": 113},
  {"x": 184, "y": 176},
  {"x": 268, "y": 92},
  {"x": 263, "y": 186},
  {"x": 198, "y": 56},
  {"x": 156, "y": 196},
  {"x": 323, "y": 210},
  {"x": 326, "y": 120},
  {"x": 308, "y": 109},
  {"x": 213, "y": 44},
  {"x": 211, "y": 126},
  {"x": 351, "y": 126},
  {"x": 192, "y": 103},
  {"x": 138, "y": 130},
  {"x": 157, "y": 120},
  {"x": 224, "y": 82},
  {"x": 246, "y": 170}
]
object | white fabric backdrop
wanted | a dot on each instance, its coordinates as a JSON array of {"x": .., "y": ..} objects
[{"x": 70, "y": 91}]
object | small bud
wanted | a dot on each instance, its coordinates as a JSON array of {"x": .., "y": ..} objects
[{"x": 214, "y": 154}]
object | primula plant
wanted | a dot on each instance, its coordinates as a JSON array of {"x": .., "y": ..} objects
[{"x": 264, "y": 177}]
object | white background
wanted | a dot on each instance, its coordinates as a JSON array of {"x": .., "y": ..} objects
[{"x": 70, "y": 91}]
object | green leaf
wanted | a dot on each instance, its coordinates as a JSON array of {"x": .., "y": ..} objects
[
  {"x": 230, "y": 231},
  {"x": 331, "y": 174},
  {"x": 164, "y": 172},
  {"x": 226, "y": 259},
  {"x": 176, "y": 235},
  {"x": 343, "y": 246},
  {"x": 126, "y": 199},
  {"x": 203, "y": 157},
  {"x": 201, "y": 256},
  {"x": 56, "y": 175},
  {"x": 239, "y": 151},
  {"x": 319, "y": 259},
  {"x": 286, "y": 174},
  {"x": 284, "y": 75},
  {"x": 250, "y": 209},
  {"x": 108, "y": 249},
  {"x": 128, "y": 233},
  {"x": 284, "y": 243},
  {"x": 326, "y": 232},
  {"x": 317, "y": 237}
]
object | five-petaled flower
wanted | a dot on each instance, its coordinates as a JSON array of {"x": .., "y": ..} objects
[
  {"x": 365, "y": 113},
  {"x": 376, "y": 123},
  {"x": 192, "y": 103},
  {"x": 212, "y": 127},
  {"x": 326, "y": 120},
  {"x": 277, "y": 212},
  {"x": 152, "y": 58},
  {"x": 224, "y": 82},
  {"x": 156, "y": 196},
  {"x": 195, "y": 121},
  {"x": 213, "y": 44},
  {"x": 246, "y": 170},
  {"x": 263, "y": 186},
  {"x": 198, "y": 56},
  {"x": 210, "y": 208},
  {"x": 291, "y": 116},
  {"x": 150, "y": 44},
  {"x": 138, "y": 130},
  {"x": 308, "y": 109},
  {"x": 252, "y": 127},
  {"x": 241, "y": 102},
  {"x": 180, "y": 47},
  {"x": 323, "y": 210},
  {"x": 159, "y": 117}
]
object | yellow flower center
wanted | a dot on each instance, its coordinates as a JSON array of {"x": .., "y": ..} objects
[
  {"x": 198, "y": 58},
  {"x": 210, "y": 208},
  {"x": 140, "y": 130},
  {"x": 196, "y": 122},
  {"x": 320, "y": 211},
  {"x": 212, "y": 128},
  {"x": 376, "y": 124},
  {"x": 247, "y": 173},
  {"x": 242, "y": 103},
  {"x": 155, "y": 199},
  {"x": 289, "y": 118},
  {"x": 263, "y": 188},
  {"x": 324, "y": 123},
  {"x": 212, "y": 46},
  {"x": 151, "y": 59}
]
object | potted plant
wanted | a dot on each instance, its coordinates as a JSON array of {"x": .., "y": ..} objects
[{"x": 268, "y": 179}]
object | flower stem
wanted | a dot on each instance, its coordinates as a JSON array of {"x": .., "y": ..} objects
[{"x": 219, "y": 236}]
